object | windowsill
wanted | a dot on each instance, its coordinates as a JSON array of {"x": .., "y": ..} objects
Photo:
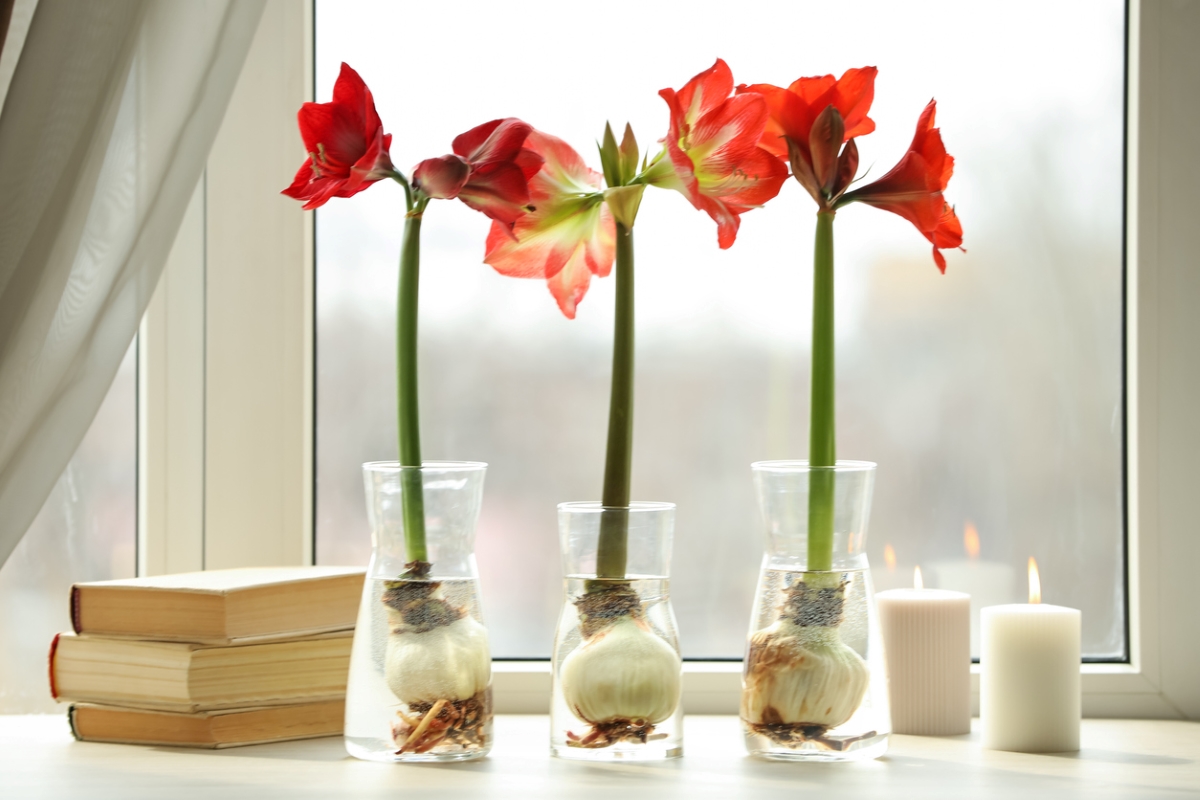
[
  {"x": 1120, "y": 758},
  {"x": 714, "y": 687}
]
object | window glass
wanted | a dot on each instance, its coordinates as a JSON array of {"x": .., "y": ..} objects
[
  {"x": 86, "y": 531},
  {"x": 990, "y": 396}
]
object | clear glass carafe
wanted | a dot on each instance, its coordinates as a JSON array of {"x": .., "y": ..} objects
[
  {"x": 814, "y": 681},
  {"x": 420, "y": 684},
  {"x": 617, "y": 670}
]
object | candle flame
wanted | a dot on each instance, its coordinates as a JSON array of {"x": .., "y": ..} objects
[
  {"x": 971, "y": 540},
  {"x": 889, "y": 558},
  {"x": 1035, "y": 583},
  {"x": 917, "y": 582}
]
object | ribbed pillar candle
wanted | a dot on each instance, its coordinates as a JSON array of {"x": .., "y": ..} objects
[{"x": 927, "y": 640}]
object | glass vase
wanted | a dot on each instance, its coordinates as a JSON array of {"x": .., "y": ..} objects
[
  {"x": 617, "y": 672},
  {"x": 420, "y": 685},
  {"x": 814, "y": 681}
]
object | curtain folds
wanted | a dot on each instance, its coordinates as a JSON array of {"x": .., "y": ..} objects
[{"x": 104, "y": 133}]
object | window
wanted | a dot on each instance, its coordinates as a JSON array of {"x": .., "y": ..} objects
[
  {"x": 86, "y": 531},
  {"x": 991, "y": 397}
]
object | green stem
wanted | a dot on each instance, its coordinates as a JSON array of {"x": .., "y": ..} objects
[
  {"x": 822, "y": 447},
  {"x": 614, "y": 521},
  {"x": 411, "y": 488}
]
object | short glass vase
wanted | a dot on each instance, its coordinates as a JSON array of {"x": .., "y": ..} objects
[
  {"x": 617, "y": 673},
  {"x": 814, "y": 680},
  {"x": 420, "y": 686}
]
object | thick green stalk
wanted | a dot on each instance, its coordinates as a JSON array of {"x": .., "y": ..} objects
[
  {"x": 411, "y": 488},
  {"x": 822, "y": 444},
  {"x": 614, "y": 521}
]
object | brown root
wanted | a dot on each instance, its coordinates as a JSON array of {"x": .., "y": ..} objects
[
  {"x": 617, "y": 730},
  {"x": 601, "y": 607},
  {"x": 457, "y": 725},
  {"x": 794, "y": 734},
  {"x": 420, "y": 611},
  {"x": 809, "y": 606}
]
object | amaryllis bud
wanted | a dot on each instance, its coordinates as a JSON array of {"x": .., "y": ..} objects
[
  {"x": 824, "y": 144},
  {"x": 624, "y": 201},
  {"x": 443, "y": 177}
]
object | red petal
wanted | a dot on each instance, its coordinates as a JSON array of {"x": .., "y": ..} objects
[
  {"x": 948, "y": 232},
  {"x": 855, "y": 93},
  {"x": 759, "y": 178},
  {"x": 526, "y": 257},
  {"x": 724, "y": 171},
  {"x": 928, "y": 142},
  {"x": 499, "y": 190},
  {"x": 734, "y": 127},
  {"x": 347, "y": 139},
  {"x": 498, "y": 140},
  {"x": 442, "y": 177},
  {"x": 790, "y": 116},
  {"x": 569, "y": 285},
  {"x": 467, "y": 143},
  {"x": 561, "y": 163},
  {"x": 602, "y": 246},
  {"x": 375, "y": 164},
  {"x": 332, "y": 132},
  {"x": 301, "y": 188},
  {"x": 705, "y": 91},
  {"x": 529, "y": 162},
  {"x": 773, "y": 133},
  {"x": 913, "y": 188},
  {"x": 727, "y": 221},
  {"x": 569, "y": 235},
  {"x": 350, "y": 92},
  {"x": 811, "y": 90}
]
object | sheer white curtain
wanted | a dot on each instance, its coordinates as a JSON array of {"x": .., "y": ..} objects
[{"x": 104, "y": 132}]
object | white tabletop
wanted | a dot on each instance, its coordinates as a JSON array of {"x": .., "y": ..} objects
[{"x": 1120, "y": 759}]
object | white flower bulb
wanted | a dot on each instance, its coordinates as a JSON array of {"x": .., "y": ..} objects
[
  {"x": 623, "y": 672},
  {"x": 449, "y": 662},
  {"x": 802, "y": 675}
]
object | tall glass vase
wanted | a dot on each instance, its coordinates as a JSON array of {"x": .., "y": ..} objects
[
  {"x": 814, "y": 684},
  {"x": 617, "y": 670},
  {"x": 420, "y": 684}
]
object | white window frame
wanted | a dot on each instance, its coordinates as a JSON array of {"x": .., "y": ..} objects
[{"x": 226, "y": 378}]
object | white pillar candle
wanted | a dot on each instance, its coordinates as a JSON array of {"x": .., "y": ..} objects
[
  {"x": 927, "y": 641},
  {"x": 1029, "y": 690}
]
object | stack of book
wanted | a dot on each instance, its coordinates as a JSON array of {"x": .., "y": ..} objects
[{"x": 209, "y": 659}]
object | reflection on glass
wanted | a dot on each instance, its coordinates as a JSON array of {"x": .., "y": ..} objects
[
  {"x": 86, "y": 531},
  {"x": 990, "y": 397}
]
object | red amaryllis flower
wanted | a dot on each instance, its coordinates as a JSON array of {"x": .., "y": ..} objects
[
  {"x": 569, "y": 235},
  {"x": 712, "y": 150},
  {"x": 347, "y": 148},
  {"x": 489, "y": 170},
  {"x": 913, "y": 188},
  {"x": 803, "y": 130}
]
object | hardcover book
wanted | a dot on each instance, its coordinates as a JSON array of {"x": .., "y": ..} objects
[
  {"x": 182, "y": 677},
  {"x": 220, "y": 606},
  {"x": 209, "y": 729}
]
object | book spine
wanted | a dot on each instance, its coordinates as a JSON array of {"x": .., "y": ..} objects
[
  {"x": 75, "y": 609},
  {"x": 53, "y": 653}
]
